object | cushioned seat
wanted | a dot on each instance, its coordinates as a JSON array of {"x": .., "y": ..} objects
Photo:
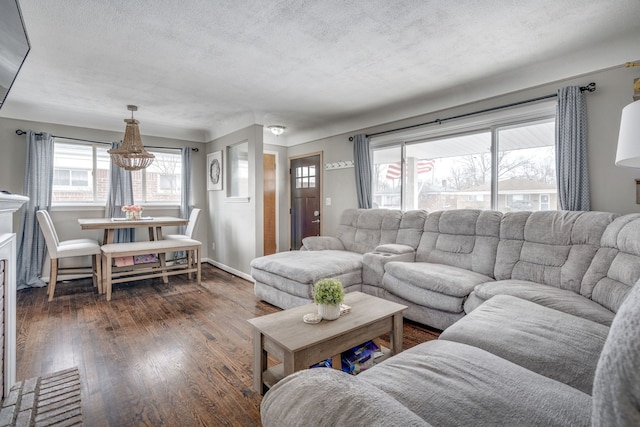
[
  {"x": 567, "y": 347},
  {"x": 444, "y": 383},
  {"x": 294, "y": 273},
  {"x": 67, "y": 249},
  {"x": 438, "y": 286},
  {"x": 452, "y": 384},
  {"x": 549, "y": 296},
  {"x": 286, "y": 279}
]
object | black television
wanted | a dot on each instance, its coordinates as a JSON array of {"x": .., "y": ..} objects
[{"x": 14, "y": 45}]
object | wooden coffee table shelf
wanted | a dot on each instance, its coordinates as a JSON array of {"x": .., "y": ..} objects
[{"x": 299, "y": 345}]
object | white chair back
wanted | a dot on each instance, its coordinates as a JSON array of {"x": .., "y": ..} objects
[
  {"x": 49, "y": 233},
  {"x": 193, "y": 221}
]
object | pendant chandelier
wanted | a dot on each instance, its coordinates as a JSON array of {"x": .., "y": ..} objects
[{"x": 131, "y": 155}]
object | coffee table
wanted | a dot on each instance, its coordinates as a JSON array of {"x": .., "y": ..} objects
[{"x": 299, "y": 345}]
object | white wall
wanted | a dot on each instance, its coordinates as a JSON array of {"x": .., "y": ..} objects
[
  {"x": 612, "y": 187},
  {"x": 237, "y": 228},
  {"x": 12, "y": 171}
]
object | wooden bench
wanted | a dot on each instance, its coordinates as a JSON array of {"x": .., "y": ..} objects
[{"x": 142, "y": 271}]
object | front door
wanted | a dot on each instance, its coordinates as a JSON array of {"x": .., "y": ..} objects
[{"x": 305, "y": 199}]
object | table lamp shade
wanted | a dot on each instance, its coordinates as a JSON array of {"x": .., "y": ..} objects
[{"x": 629, "y": 139}]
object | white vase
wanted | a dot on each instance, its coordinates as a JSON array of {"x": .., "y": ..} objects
[{"x": 329, "y": 311}]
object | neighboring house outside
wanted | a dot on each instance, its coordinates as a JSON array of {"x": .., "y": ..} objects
[{"x": 513, "y": 195}]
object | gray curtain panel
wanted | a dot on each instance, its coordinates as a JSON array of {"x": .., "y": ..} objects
[
  {"x": 120, "y": 194},
  {"x": 571, "y": 150},
  {"x": 362, "y": 163},
  {"x": 38, "y": 179},
  {"x": 185, "y": 200}
]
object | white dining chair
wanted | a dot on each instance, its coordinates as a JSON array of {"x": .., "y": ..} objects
[
  {"x": 188, "y": 234},
  {"x": 193, "y": 221},
  {"x": 68, "y": 249}
]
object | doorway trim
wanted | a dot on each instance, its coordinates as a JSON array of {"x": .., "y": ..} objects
[{"x": 302, "y": 156}]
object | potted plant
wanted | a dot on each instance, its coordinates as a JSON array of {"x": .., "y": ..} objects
[{"x": 328, "y": 294}]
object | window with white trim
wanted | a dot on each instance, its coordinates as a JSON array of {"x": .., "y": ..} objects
[
  {"x": 502, "y": 165},
  {"x": 81, "y": 175}
]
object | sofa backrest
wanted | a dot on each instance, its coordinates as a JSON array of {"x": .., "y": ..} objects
[
  {"x": 554, "y": 248},
  {"x": 411, "y": 227},
  {"x": 361, "y": 230},
  {"x": 616, "y": 387},
  {"x": 616, "y": 266},
  {"x": 465, "y": 238}
]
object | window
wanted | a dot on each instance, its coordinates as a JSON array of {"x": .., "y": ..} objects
[
  {"x": 160, "y": 182},
  {"x": 81, "y": 174},
  {"x": 508, "y": 167},
  {"x": 387, "y": 186},
  {"x": 238, "y": 170},
  {"x": 306, "y": 176}
]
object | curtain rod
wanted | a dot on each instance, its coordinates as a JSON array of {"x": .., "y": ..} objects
[
  {"x": 591, "y": 87},
  {"x": 21, "y": 132}
]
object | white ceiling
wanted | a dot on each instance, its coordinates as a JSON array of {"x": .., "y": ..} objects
[{"x": 199, "y": 69}]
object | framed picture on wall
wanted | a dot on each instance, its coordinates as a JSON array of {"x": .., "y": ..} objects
[{"x": 214, "y": 171}]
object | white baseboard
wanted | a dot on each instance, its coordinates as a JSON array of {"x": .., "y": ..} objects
[{"x": 228, "y": 269}]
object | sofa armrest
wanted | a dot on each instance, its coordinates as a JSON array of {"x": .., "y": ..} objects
[
  {"x": 328, "y": 397},
  {"x": 395, "y": 249},
  {"x": 322, "y": 243},
  {"x": 373, "y": 262}
]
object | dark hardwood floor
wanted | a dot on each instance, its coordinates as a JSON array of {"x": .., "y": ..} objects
[{"x": 157, "y": 354}]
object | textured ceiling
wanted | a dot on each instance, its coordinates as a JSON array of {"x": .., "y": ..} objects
[{"x": 199, "y": 69}]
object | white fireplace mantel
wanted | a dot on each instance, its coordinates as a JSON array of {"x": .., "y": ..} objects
[{"x": 9, "y": 203}]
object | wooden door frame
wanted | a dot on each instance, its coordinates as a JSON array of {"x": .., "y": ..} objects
[
  {"x": 275, "y": 153},
  {"x": 321, "y": 181}
]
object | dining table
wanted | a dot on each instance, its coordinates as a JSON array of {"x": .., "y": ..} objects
[{"x": 110, "y": 225}]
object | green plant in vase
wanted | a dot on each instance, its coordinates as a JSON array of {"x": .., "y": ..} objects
[{"x": 328, "y": 294}]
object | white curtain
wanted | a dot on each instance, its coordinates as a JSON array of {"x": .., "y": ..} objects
[
  {"x": 571, "y": 150},
  {"x": 120, "y": 194},
  {"x": 38, "y": 179}
]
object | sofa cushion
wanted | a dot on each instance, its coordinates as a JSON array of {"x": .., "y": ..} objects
[
  {"x": 554, "y": 248},
  {"x": 549, "y": 296},
  {"x": 464, "y": 238},
  {"x": 411, "y": 227},
  {"x": 552, "y": 343},
  {"x": 361, "y": 230},
  {"x": 616, "y": 265},
  {"x": 452, "y": 384},
  {"x": 327, "y": 397},
  {"x": 616, "y": 389},
  {"x": 432, "y": 285},
  {"x": 295, "y": 272}
]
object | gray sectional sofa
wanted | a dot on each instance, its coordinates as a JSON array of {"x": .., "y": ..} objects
[
  {"x": 444, "y": 264},
  {"x": 527, "y": 300},
  {"x": 542, "y": 375}
]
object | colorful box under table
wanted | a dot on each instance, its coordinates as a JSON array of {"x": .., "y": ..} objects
[
  {"x": 359, "y": 358},
  {"x": 354, "y": 360}
]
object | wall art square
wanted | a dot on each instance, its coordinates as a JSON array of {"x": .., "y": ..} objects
[{"x": 214, "y": 171}]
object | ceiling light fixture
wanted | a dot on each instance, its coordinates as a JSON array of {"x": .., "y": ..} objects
[
  {"x": 277, "y": 129},
  {"x": 131, "y": 155}
]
